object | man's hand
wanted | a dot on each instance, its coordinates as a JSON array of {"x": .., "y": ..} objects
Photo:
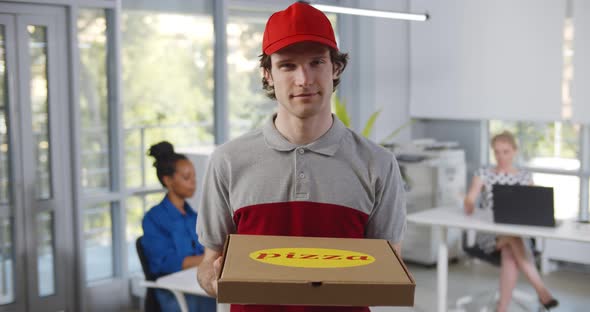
[
  {"x": 398, "y": 248},
  {"x": 208, "y": 271}
]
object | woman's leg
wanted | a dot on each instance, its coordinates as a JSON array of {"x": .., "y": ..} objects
[
  {"x": 528, "y": 268},
  {"x": 508, "y": 278}
]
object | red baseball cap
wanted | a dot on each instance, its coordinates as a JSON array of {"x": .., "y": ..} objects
[{"x": 299, "y": 22}]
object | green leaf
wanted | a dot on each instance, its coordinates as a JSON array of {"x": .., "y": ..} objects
[
  {"x": 369, "y": 125},
  {"x": 397, "y": 131},
  {"x": 341, "y": 112}
]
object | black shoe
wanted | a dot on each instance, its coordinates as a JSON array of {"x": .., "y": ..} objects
[{"x": 550, "y": 304}]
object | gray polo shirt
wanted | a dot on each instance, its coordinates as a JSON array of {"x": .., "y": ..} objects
[{"x": 341, "y": 185}]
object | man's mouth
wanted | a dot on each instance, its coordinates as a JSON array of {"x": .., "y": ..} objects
[{"x": 304, "y": 95}]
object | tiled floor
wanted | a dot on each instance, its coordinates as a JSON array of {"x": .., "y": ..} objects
[{"x": 570, "y": 284}]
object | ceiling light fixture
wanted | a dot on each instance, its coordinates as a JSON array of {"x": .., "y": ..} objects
[{"x": 372, "y": 13}]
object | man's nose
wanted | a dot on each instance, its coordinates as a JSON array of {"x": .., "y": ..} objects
[{"x": 303, "y": 76}]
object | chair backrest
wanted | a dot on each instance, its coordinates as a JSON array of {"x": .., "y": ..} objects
[
  {"x": 143, "y": 260},
  {"x": 151, "y": 304}
]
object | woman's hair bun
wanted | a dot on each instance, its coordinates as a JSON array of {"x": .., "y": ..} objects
[{"x": 161, "y": 150}]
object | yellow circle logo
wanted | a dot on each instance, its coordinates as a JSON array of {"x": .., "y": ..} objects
[{"x": 312, "y": 257}]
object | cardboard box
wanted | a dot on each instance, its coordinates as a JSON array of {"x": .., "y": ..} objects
[{"x": 313, "y": 271}]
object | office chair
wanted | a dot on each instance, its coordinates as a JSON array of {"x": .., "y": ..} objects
[
  {"x": 520, "y": 298},
  {"x": 150, "y": 303}
]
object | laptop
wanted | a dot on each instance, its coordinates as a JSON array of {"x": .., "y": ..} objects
[{"x": 523, "y": 205}]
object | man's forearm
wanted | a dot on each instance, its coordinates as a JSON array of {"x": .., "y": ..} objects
[{"x": 206, "y": 277}]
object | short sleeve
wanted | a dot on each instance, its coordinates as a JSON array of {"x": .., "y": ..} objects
[
  {"x": 388, "y": 218},
  {"x": 215, "y": 220}
]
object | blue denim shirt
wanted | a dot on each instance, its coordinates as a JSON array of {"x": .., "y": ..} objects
[{"x": 169, "y": 237}]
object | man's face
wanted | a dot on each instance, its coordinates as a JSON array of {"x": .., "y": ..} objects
[{"x": 302, "y": 76}]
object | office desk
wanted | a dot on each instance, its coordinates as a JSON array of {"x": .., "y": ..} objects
[
  {"x": 180, "y": 283},
  {"x": 443, "y": 218}
]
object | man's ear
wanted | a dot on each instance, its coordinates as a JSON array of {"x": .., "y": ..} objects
[
  {"x": 268, "y": 77},
  {"x": 337, "y": 70}
]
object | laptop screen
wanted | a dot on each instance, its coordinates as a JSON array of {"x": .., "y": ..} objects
[{"x": 523, "y": 204}]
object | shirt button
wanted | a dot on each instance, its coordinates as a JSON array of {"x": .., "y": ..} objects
[
  {"x": 301, "y": 175},
  {"x": 301, "y": 151}
]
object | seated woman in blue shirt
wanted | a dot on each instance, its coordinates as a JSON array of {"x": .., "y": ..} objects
[{"x": 170, "y": 240}]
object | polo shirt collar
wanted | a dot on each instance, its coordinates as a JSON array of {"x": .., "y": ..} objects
[
  {"x": 327, "y": 144},
  {"x": 172, "y": 210}
]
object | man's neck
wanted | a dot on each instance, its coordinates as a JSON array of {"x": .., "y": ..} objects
[{"x": 302, "y": 131}]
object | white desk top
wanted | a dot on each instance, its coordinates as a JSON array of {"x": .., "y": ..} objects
[
  {"x": 184, "y": 281},
  {"x": 481, "y": 221}
]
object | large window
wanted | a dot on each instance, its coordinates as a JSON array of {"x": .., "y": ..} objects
[
  {"x": 248, "y": 105},
  {"x": 95, "y": 71},
  {"x": 94, "y": 105},
  {"x": 167, "y": 78},
  {"x": 98, "y": 241},
  {"x": 544, "y": 145},
  {"x": 552, "y": 152}
]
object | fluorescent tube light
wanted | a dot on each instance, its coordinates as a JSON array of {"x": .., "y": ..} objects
[{"x": 373, "y": 13}]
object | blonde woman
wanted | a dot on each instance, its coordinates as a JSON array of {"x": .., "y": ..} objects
[{"x": 514, "y": 254}]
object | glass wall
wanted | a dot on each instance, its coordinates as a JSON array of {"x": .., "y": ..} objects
[
  {"x": 248, "y": 106},
  {"x": 40, "y": 109},
  {"x": 45, "y": 256},
  {"x": 4, "y": 172},
  {"x": 6, "y": 272},
  {"x": 98, "y": 242},
  {"x": 167, "y": 75},
  {"x": 95, "y": 142},
  {"x": 549, "y": 146},
  {"x": 553, "y": 145},
  {"x": 6, "y": 219},
  {"x": 94, "y": 105}
]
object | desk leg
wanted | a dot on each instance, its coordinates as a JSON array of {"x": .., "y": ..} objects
[
  {"x": 181, "y": 300},
  {"x": 442, "y": 267},
  {"x": 223, "y": 307}
]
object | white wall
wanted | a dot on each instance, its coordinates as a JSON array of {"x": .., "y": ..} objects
[
  {"x": 482, "y": 59},
  {"x": 377, "y": 77},
  {"x": 580, "y": 90}
]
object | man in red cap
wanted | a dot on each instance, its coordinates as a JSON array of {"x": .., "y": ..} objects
[{"x": 304, "y": 173}]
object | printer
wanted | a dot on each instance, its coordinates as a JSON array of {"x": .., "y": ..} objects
[{"x": 435, "y": 175}]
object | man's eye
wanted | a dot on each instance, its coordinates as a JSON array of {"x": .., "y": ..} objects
[{"x": 286, "y": 66}]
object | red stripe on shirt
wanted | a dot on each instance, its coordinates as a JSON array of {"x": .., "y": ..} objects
[{"x": 300, "y": 218}]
